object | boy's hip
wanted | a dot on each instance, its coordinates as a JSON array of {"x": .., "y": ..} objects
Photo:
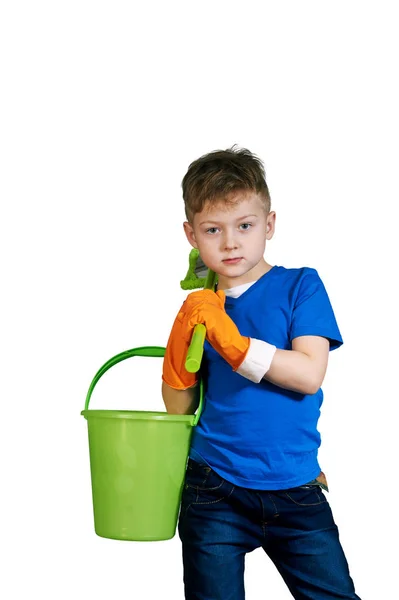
[{"x": 208, "y": 497}]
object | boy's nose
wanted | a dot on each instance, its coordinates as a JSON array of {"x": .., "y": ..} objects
[{"x": 229, "y": 242}]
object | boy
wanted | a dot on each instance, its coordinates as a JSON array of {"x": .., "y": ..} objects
[{"x": 253, "y": 479}]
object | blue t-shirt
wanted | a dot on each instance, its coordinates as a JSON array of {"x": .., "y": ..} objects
[{"x": 258, "y": 435}]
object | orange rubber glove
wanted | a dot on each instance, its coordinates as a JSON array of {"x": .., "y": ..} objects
[
  {"x": 205, "y": 307},
  {"x": 174, "y": 372}
]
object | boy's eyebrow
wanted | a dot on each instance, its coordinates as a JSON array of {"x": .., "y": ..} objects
[{"x": 238, "y": 219}]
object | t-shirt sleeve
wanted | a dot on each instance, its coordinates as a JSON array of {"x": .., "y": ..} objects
[{"x": 312, "y": 312}]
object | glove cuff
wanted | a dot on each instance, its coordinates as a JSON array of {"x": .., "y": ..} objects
[{"x": 257, "y": 361}]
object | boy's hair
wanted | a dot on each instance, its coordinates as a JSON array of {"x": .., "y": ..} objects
[{"x": 215, "y": 176}]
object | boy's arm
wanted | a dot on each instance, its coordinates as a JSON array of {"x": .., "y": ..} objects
[
  {"x": 180, "y": 402},
  {"x": 303, "y": 368}
]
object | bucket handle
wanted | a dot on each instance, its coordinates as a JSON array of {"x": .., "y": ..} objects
[{"x": 153, "y": 351}]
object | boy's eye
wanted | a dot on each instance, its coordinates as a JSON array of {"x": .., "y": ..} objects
[
  {"x": 246, "y": 226},
  {"x": 211, "y": 230}
]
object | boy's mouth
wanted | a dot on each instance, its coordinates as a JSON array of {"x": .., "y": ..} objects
[{"x": 232, "y": 261}]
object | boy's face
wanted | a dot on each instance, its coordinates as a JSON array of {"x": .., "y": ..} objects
[{"x": 231, "y": 238}]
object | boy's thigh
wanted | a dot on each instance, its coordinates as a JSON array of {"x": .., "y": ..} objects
[
  {"x": 215, "y": 537},
  {"x": 304, "y": 545}
]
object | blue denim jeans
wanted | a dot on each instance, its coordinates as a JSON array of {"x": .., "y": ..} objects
[{"x": 220, "y": 522}]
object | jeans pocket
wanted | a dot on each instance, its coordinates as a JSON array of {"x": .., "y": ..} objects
[
  {"x": 201, "y": 477},
  {"x": 203, "y": 486},
  {"x": 305, "y": 495}
]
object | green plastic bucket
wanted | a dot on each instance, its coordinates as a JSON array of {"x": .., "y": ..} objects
[{"x": 138, "y": 461}]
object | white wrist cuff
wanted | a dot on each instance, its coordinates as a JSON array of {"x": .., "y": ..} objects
[{"x": 257, "y": 361}]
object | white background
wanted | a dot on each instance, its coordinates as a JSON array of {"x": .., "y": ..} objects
[{"x": 103, "y": 107}]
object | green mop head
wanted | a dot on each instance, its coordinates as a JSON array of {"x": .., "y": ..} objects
[{"x": 197, "y": 273}]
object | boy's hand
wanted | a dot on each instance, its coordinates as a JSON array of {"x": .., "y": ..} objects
[{"x": 205, "y": 307}]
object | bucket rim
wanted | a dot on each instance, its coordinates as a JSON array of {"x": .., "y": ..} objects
[{"x": 138, "y": 415}]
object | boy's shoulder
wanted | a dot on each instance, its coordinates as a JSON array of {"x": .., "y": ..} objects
[
  {"x": 294, "y": 273},
  {"x": 290, "y": 282}
]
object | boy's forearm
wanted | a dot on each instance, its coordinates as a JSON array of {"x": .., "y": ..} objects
[
  {"x": 180, "y": 402},
  {"x": 295, "y": 371}
]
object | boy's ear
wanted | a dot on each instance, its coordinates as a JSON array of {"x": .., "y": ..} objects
[
  {"x": 270, "y": 225},
  {"x": 189, "y": 231}
]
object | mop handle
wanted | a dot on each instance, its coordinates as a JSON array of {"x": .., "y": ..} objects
[{"x": 196, "y": 348}]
